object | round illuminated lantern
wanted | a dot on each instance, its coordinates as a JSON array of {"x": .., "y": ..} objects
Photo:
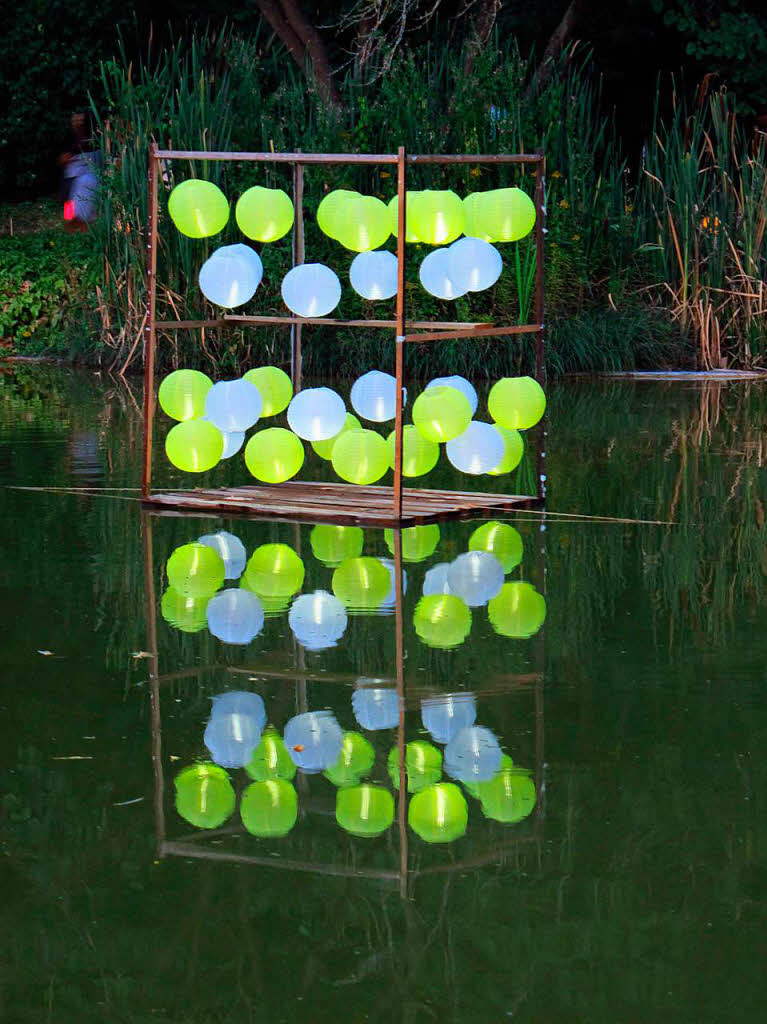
[
  {"x": 332, "y": 210},
  {"x": 475, "y": 577},
  {"x": 233, "y": 405},
  {"x": 418, "y": 542},
  {"x": 411, "y": 203},
  {"x": 446, "y": 715},
  {"x": 364, "y": 224},
  {"x": 439, "y": 813},
  {"x": 182, "y": 394},
  {"x": 437, "y": 217},
  {"x": 269, "y": 809},
  {"x": 198, "y": 208},
  {"x": 235, "y": 616},
  {"x": 204, "y": 795},
  {"x": 274, "y": 455},
  {"x": 514, "y": 449},
  {"x": 231, "y": 275},
  {"x": 473, "y": 264},
  {"x": 364, "y": 811},
  {"x": 270, "y": 759},
  {"x": 316, "y": 414},
  {"x": 419, "y": 455},
  {"x": 184, "y": 612},
  {"x": 274, "y": 386},
  {"x": 501, "y": 540},
  {"x": 318, "y": 620},
  {"x": 435, "y": 580},
  {"x": 230, "y": 548},
  {"x": 441, "y": 413},
  {"x": 194, "y": 446},
  {"x": 374, "y": 396},
  {"x": 373, "y": 275},
  {"x": 362, "y": 584},
  {"x": 314, "y": 741},
  {"x": 442, "y": 620},
  {"x": 434, "y": 274},
  {"x": 471, "y": 217},
  {"x": 311, "y": 290},
  {"x": 354, "y": 762},
  {"x": 506, "y": 214},
  {"x": 517, "y": 610},
  {"x": 232, "y": 736},
  {"x": 195, "y": 570},
  {"x": 423, "y": 765},
  {"x": 376, "y": 707},
  {"x": 516, "y": 403},
  {"x": 509, "y": 797},
  {"x": 274, "y": 570},
  {"x": 360, "y": 457},
  {"x": 332, "y": 544},
  {"x": 473, "y": 755},
  {"x": 325, "y": 448},
  {"x": 460, "y": 384},
  {"x": 264, "y": 214},
  {"x": 479, "y": 449}
]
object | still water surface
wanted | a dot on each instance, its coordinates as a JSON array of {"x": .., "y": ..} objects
[{"x": 632, "y": 890}]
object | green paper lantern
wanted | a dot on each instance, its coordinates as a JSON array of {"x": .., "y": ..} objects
[
  {"x": 361, "y": 583},
  {"x": 195, "y": 570},
  {"x": 423, "y": 765},
  {"x": 271, "y": 759},
  {"x": 274, "y": 571},
  {"x": 194, "y": 446},
  {"x": 269, "y": 809},
  {"x": 274, "y": 455},
  {"x": 517, "y": 610},
  {"x": 198, "y": 208},
  {"x": 509, "y": 796},
  {"x": 437, "y": 217},
  {"x": 419, "y": 455},
  {"x": 274, "y": 386},
  {"x": 332, "y": 544},
  {"x": 410, "y": 204},
  {"x": 363, "y": 224},
  {"x": 471, "y": 226},
  {"x": 325, "y": 448},
  {"x": 204, "y": 795},
  {"x": 500, "y": 540},
  {"x": 441, "y": 413},
  {"x": 514, "y": 449},
  {"x": 331, "y": 211},
  {"x": 442, "y": 620},
  {"x": 264, "y": 214},
  {"x": 354, "y": 762},
  {"x": 365, "y": 811},
  {"x": 473, "y": 788},
  {"x": 439, "y": 813},
  {"x": 183, "y": 611},
  {"x": 506, "y": 213},
  {"x": 360, "y": 457},
  {"x": 182, "y": 394},
  {"x": 418, "y": 542},
  {"x": 516, "y": 403}
]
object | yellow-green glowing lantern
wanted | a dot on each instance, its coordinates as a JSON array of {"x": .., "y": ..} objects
[
  {"x": 471, "y": 225},
  {"x": 442, "y": 620},
  {"x": 183, "y": 611},
  {"x": 332, "y": 544},
  {"x": 437, "y": 217},
  {"x": 360, "y": 457},
  {"x": 332, "y": 210},
  {"x": 517, "y": 610},
  {"x": 439, "y": 813},
  {"x": 441, "y": 413},
  {"x": 365, "y": 811},
  {"x": 363, "y": 224},
  {"x": 182, "y": 394},
  {"x": 423, "y": 765},
  {"x": 508, "y": 214},
  {"x": 204, "y": 795},
  {"x": 195, "y": 570},
  {"x": 194, "y": 446},
  {"x": 274, "y": 571},
  {"x": 325, "y": 448},
  {"x": 474, "y": 788},
  {"x": 419, "y": 455},
  {"x": 274, "y": 455},
  {"x": 198, "y": 208},
  {"x": 509, "y": 796},
  {"x": 361, "y": 583},
  {"x": 269, "y": 808},
  {"x": 354, "y": 762},
  {"x": 500, "y": 540},
  {"x": 514, "y": 449},
  {"x": 274, "y": 386},
  {"x": 264, "y": 214},
  {"x": 271, "y": 759},
  {"x": 411, "y": 203},
  {"x": 418, "y": 542},
  {"x": 516, "y": 403}
]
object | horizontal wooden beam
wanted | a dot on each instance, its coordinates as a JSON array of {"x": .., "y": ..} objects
[
  {"x": 475, "y": 332},
  {"x": 329, "y": 321},
  {"x": 350, "y": 158}
]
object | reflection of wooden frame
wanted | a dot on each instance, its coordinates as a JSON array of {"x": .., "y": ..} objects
[
  {"x": 341, "y": 502},
  {"x": 191, "y": 845}
]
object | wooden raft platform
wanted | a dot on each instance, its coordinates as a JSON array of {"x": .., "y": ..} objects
[{"x": 337, "y": 503}]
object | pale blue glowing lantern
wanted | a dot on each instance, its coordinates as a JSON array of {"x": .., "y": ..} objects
[
  {"x": 233, "y": 405},
  {"x": 374, "y": 396},
  {"x": 241, "y": 702},
  {"x": 230, "y": 277},
  {"x": 232, "y": 735},
  {"x": 434, "y": 274},
  {"x": 311, "y": 289},
  {"x": 460, "y": 384},
  {"x": 314, "y": 741},
  {"x": 373, "y": 274},
  {"x": 435, "y": 580},
  {"x": 390, "y": 600},
  {"x": 235, "y": 616},
  {"x": 318, "y": 620},
  {"x": 447, "y": 715},
  {"x": 475, "y": 577},
  {"x": 479, "y": 449},
  {"x": 473, "y": 755},
  {"x": 473, "y": 264},
  {"x": 231, "y": 549},
  {"x": 316, "y": 414},
  {"x": 233, "y": 441},
  {"x": 375, "y": 707}
]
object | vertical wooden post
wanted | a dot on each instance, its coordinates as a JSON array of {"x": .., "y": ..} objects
[
  {"x": 400, "y": 338},
  {"x": 149, "y": 329},
  {"x": 296, "y": 360},
  {"x": 540, "y": 347},
  {"x": 400, "y": 668},
  {"x": 150, "y": 608}
]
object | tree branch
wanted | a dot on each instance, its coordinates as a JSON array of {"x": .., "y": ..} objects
[
  {"x": 481, "y": 29},
  {"x": 303, "y": 43},
  {"x": 557, "y": 42}
]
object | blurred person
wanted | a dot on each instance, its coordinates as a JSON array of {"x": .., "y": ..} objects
[{"x": 80, "y": 167}]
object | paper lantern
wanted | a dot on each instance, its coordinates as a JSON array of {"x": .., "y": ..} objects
[
  {"x": 332, "y": 210},
  {"x": 182, "y": 394},
  {"x": 198, "y": 208},
  {"x": 460, "y": 384},
  {"x": 434, "y": 275},
  {"x": 418, "y": 542},
  {"x": 473, "y": 264},
  {"x": 437, "y": 217},
  {"x": 473, "y": 755},
  {"x": 360, "y": 457},
  {"x": 478, "y": 449},
  {"x": 516, "y": 403},
  {"x": 364, "y": 225},
  {"x": 230, "y": 277},
  {"x": 442, "y": 620},
  {"x": 318, "y": 620},
  {"x": 269, "y": 809},
  {"x": 274, "y": 386},
  {"x": 411, "y": 202},
  {"x": 230, "y": 549},
  {"x": 194, "y": 446},
  {"x": 376, "y": 707},
  {"x": 446, "y": 715},
  {"x": 232, "y": 736},
  {"x": 441, "y": 413},
  {"x": 514, "y": 449},
  {"x": 316, "y": 414},
  {"x": 419, "y": 455},
  {"x": 264, "y": 214},
  {"x": 184, "y": 612},
  {"x": 240, "y": 702},
  {"x": 195, "y": 570},
  {"x": 332, "y": 544},
  {"x": 374, "y": 396},
  {"x": 390, "y": 600},
  {"x": 274, "y": 455},
  {"x": 361, "y": 583},
  {"x": 311, "y": 289},
  {"x": 517, "y": 611},
  {"x": 423, "y": 765},
  {"x": 373, "y": 275},
  {"x": 204, "y": 795},
  {"x": 325, "y": 448},
  {"x": 233, "y": 405},
  {"x": 475, "y": 788},
  {"x": 507, "y": 214},
  {"x": 235, "y": 616},
  {"x": 314, "y": 741},
  {"x": 471, "y": 227},
  {"x": 475, "y": 577},
  {"x": 233, "y": 441},
  {"x": 439, "y": 813},
  {"x": 353, "y": 763},
  {"x": 508, "y": 797},
  {"x": 435, "y": 580},
  {"x": 275, "y": 570},
  {"x": 270, "y": 759},
  {"x": 365, "y": 811},
  {"x": 501, "y": 540}
]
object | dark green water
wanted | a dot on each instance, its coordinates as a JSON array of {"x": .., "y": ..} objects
[{"x": 636, "y": 889}]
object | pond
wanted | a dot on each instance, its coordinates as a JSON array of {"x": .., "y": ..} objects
[{"x": 616, "y": 873}]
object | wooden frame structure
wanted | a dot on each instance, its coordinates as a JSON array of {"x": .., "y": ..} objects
[{"x": 336, "y": 502}]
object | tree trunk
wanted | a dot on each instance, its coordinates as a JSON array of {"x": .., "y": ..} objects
[
  {"x": 557, "y": 42},
  {"x": 303, "y": 42},
  {"x": 481, "y": 29}
]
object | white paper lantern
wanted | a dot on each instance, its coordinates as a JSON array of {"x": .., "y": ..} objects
[
  {"x": 376, "y": 707},
  {"x": 475, "y": 577},
  {"x": 435, "y": 580},
  {"x": 233, "y": 441},
  {"x": 314, "y": 741},
  {"x": 233, "y": 405},
  {"x": 460, "y": 384},
  {"x": 311, "y": 289},
  {"x": 231, "y": 549},
  {"x": 435, "y": 276},
  {"x": 445, "y": 716},
  {"x": 473, "y": 264},
  {"x": 374, "y": 396},
  {"x": 241, "y": 702},
  {"x": 390, "y": 600},
  {"x": 231, "y": 736},
  {"x": 235, "y": 616},
  {"x": 473, "y": 755},
  {"x": 318, "y": 620},
  {"x": 374, "y": 274},
  {"x": 231, "y": 275},
  {"x": 478, "y": 449},
  {"x": 317, "y": 414}
]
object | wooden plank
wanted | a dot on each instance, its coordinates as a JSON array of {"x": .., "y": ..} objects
[
  {"x": 150, "y": 335},
  {"x": 279, "y": 158},
  {"x": 296, "y": 356},
  {"x": 328, "y": 321},
  {"x": 479, "y": 332},
  {"x": 399, "y": 341}
]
